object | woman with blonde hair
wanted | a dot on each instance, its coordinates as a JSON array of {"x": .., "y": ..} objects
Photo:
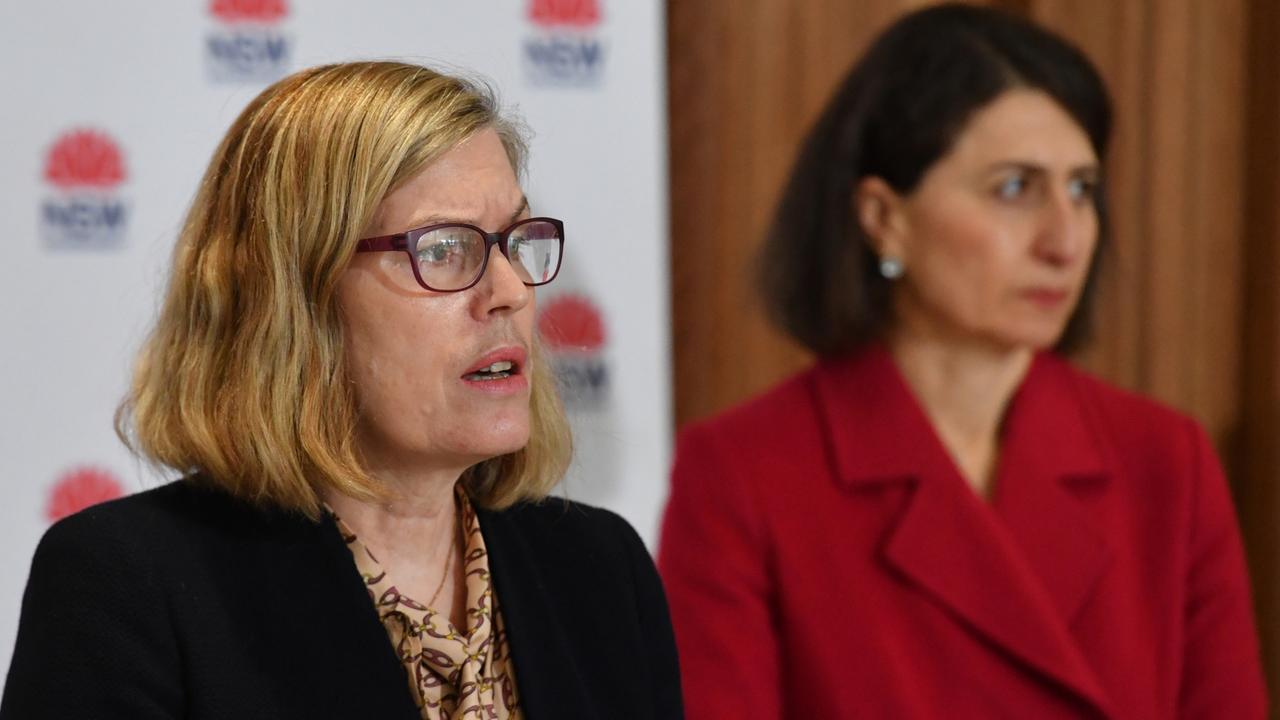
[{"x": 346, "y": 372}]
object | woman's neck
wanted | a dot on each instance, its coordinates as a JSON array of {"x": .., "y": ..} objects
[
  {"x": 964, "y": 388},
  {"x": 412, "y": 534},
  {"x": 417, "y": 509}
]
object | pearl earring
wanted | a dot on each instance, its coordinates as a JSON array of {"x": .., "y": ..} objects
[{"x": 890, "y": 268}]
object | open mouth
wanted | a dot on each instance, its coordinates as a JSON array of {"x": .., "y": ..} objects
[{"x": 496, "y": 371}]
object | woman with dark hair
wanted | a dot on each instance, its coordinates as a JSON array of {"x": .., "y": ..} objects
[{"x": 943, "y": 518}]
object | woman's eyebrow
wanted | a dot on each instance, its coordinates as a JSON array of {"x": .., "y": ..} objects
[
  {"x": 432, "y": 220},
  {"x": 1024, "y": 165},
  {"x": 1035, "y": 167},
  {"x": 524, "y": 205},
  {"x": 438, "y": 218}
]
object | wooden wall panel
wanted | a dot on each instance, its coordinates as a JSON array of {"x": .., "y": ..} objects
[
  {"x": 1169, "y": 214},
  {"x": 1170, "y": 300},
  {"x": 1115, "y": 36},
  {"x": 1258, "y": 476},
  {"x": 1215, "y": 192},
  {"x": 746, "y": 79}
]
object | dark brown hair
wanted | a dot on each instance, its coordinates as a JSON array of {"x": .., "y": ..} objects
[{"x": 897, "y": 113}]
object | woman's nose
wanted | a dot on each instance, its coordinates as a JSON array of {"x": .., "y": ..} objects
[
  {"x": 1067, "y": 226},
  {"x": 501, "y": 287}
]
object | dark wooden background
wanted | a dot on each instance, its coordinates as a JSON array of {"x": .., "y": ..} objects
[{"x": 1190, "y": 304}]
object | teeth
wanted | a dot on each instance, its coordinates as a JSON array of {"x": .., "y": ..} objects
[{"x": 496, "y": 371}]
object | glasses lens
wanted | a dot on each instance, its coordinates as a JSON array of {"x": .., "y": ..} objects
[
  {"x": 534, "y": 250},
  {"x": 449, "y": 257}
]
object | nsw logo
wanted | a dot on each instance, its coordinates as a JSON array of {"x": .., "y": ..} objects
[
  {"x": 80, "y": 488},
  {"x": 246, "y": 43},
  {"x": 84, "y": 210},
  {"x": 564, "y": 48},
  {"x": 573, "y": 331}
]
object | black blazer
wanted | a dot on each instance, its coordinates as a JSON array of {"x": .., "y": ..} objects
[{"x": 182, "y": 602}]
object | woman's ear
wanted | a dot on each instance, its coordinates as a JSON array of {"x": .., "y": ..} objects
[{"x": 878, "y": 209}]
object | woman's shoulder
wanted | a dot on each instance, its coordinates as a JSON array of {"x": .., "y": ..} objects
[
  {"x": 185, "y": 498},
  {"x": 789, "y": 394},
  {"x": 1120, "y": 408},
  {"x": 569, "y": 548},
  {"x": 121, "y": 552},
  {"x": 142, "y": 513},
  {"x": 779, "y": 418},
  {"x": 161, "y": 521},
  {"x": 565, "y": 525},
  {"x": 1133, "y": 425}
]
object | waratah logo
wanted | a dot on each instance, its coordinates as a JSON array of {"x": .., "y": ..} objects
[
  {"x": 575, "y": 13},
  {"x": 84, "y": 169},
  {"x": 79, "y": 488},
  {"x": 246, "y": 43},
  {"x": 564, "y": 48},
  {"x": 573, "y": 331}
]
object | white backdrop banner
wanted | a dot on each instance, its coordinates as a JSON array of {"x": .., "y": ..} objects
[{"x": 110, "y": 112}]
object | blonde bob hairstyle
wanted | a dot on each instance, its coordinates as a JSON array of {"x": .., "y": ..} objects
[{"x": 243, "y": 381}]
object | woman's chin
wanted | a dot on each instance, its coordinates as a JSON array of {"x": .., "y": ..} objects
[
  {"x": 500, "y": 442},
  {"x": 1035, "y": 336}
]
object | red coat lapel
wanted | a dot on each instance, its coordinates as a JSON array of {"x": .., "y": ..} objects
[
  {"x": 1052, "y": 474},
  {"x": 1014, "y": 573}
]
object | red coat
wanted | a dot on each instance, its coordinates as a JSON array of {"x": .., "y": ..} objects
[{"x": 824, "y": 558}]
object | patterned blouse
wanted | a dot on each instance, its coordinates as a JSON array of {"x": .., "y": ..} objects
[{"x": 452, "y": 675}]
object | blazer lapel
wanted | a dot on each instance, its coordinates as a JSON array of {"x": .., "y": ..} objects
[
  {"x": 315, "y": 623},
  {"x": 545, "y": 667},
  {"x": 952, "y": 546},
  {"x": 363, "y": 635}
]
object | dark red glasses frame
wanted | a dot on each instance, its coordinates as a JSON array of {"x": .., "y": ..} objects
[{"x": 407, "y": 240}]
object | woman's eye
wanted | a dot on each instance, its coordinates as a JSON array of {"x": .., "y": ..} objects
[
  {"x": 1012, "y": 188},
  {"x": 434, "y": 252},
  {"x": 1082, "y": 189},
  {"x": 440, "y": 251}
]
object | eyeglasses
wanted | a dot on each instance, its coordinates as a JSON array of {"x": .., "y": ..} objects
[{"x": 451, "y": 257}]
